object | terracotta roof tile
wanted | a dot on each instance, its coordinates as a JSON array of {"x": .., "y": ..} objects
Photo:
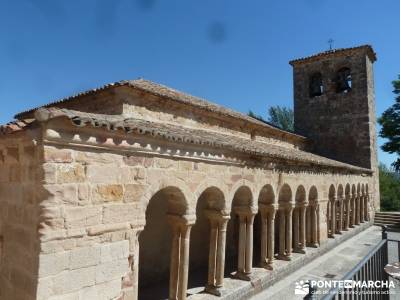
[
  {"x": 15, "y": 126},
  {"x": 173, "y": 95}
]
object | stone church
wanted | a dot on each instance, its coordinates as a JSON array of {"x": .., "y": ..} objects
[{"x": 135, "y": 190}]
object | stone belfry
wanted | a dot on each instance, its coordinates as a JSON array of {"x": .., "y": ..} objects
[{"x": 334, "y": 104}]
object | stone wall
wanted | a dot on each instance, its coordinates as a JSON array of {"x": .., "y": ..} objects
[
  {"x": 97, "y": 201},
  {"x": 19, "y": 180},
  {"x": 340, "y": 124}
]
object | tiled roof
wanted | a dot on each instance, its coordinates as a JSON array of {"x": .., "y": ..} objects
[
  {"x": 369, "y": 50},
  {"x": 173, "y": 95},
  {"x": 192, "y": 136},
  {"x": 15, "y": 126}
]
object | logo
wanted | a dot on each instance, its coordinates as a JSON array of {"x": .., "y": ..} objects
[{"x": 301, "y": 287}]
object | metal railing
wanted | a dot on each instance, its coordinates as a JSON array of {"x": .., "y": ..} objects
[{"x": 370, "y": 268}]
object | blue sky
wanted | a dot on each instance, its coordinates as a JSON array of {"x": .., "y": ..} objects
[{"x": 231, "y": 52}]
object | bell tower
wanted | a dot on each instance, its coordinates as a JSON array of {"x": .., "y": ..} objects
[{"x": 334, "y": 104}]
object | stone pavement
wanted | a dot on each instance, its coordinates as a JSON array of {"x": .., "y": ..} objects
[{"x": 332, "y": 265}]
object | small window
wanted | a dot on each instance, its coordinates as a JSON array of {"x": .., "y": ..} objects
[
  {"x": 316, "y": 86},
  {"x": 343, "y": 81}
]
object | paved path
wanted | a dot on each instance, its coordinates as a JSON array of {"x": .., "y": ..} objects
[{"x": 332, "y": 265}]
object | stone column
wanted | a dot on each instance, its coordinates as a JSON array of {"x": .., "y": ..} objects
[
  {"x": 314, "y": 227},
  {"x": 184, "y": 260},
  {"x": 271, "y": 238},
  {"x": 362, "y": 209},
  {"x": 179, "y": 264},
  {"x": 296, "y": 233},
  {"x": 249, "y": 243},
  {"x": 366, "y": 208},
  {"x": 282, "y": 232},
  {"x": 353, "y": 212},
  {"x": 174, "y": 262},
  {"x": 333, "y": 216},
  {"x": 245, "y": 255},
  {"x": 221, "y": 245},
  {"x": 264, "y": 235},
  {"x": 212, "y": 255},
  {"x": 267, "y": 235},
  {"x": 242, "y": 243},
  {"x": 302, "y": 236},
  {"x": 216, "y": 261},
  {"x": 318, "y": 225},
  {"x": 357, "y": 214},
  {"x": 347, "y": 217},
  {"x": 288, "y": 227},
  {"x": 340, "y": 217}
]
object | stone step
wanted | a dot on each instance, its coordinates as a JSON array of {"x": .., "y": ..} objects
[
  {"x": 386, "y": 222},
  {"x": 387, "y": 219},
  {"x": 396, "y": 214}
]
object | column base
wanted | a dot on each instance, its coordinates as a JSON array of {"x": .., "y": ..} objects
[
  {"x": 267, "y": 265},
  {"x": 242, "y": 276},
  {"x": 301, "y": 251},
  {"x": 314, "y": 245},
  {"x": 284, "y": 257},
  {"x": 338, "y": 232},
  {"x": 214, "y": 290}
]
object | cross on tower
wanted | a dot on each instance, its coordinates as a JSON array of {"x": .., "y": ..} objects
[{"x": 330, "y": 41}]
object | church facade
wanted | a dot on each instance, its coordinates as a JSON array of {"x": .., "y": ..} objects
[{"x": 138, "y": 191}]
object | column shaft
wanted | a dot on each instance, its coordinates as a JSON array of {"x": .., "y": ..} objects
[
  {"x": 347, "y": 217},
  {"x": 271, "y": 237},
  {"x": 249, "y": 243},
  {"x": 212, "y": 257},
  {"x": 358, "y": 210},
  {"x": 184, "y": 261},
  {"x": 353, "y": 212},
  {"x": 333, "y": 217},
  {"x": 318, "y": 225},
  {"x": 296, "y": 225},
  {"x": 174, "y": 263},
  {"x": 242, "y": 244},
  {"x": 221, "y": 252},
  {"x": 340, "y": 216},
  {"x": 362, "y": 209},
  {"x": 264, "y": 238},
  {"x": 282, "y": 233},
  {"x": 303, "y": 212},
  {"x": 289, "y": 233},
  {"x": 314, "y": 227}
]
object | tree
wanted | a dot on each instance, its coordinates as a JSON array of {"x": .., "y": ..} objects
[
  {"x": 389, "y": 184},
  {"x": 390, "y": 122},
  {"x": 278, "y": 116}
]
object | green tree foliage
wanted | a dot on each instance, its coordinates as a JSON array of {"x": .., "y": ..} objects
[
  {"x": 255, "y": 116},
  {"x": 389, "y": 183},
  {"x": 278, "y": 116},
  {"x": 390, "y": 122}
]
